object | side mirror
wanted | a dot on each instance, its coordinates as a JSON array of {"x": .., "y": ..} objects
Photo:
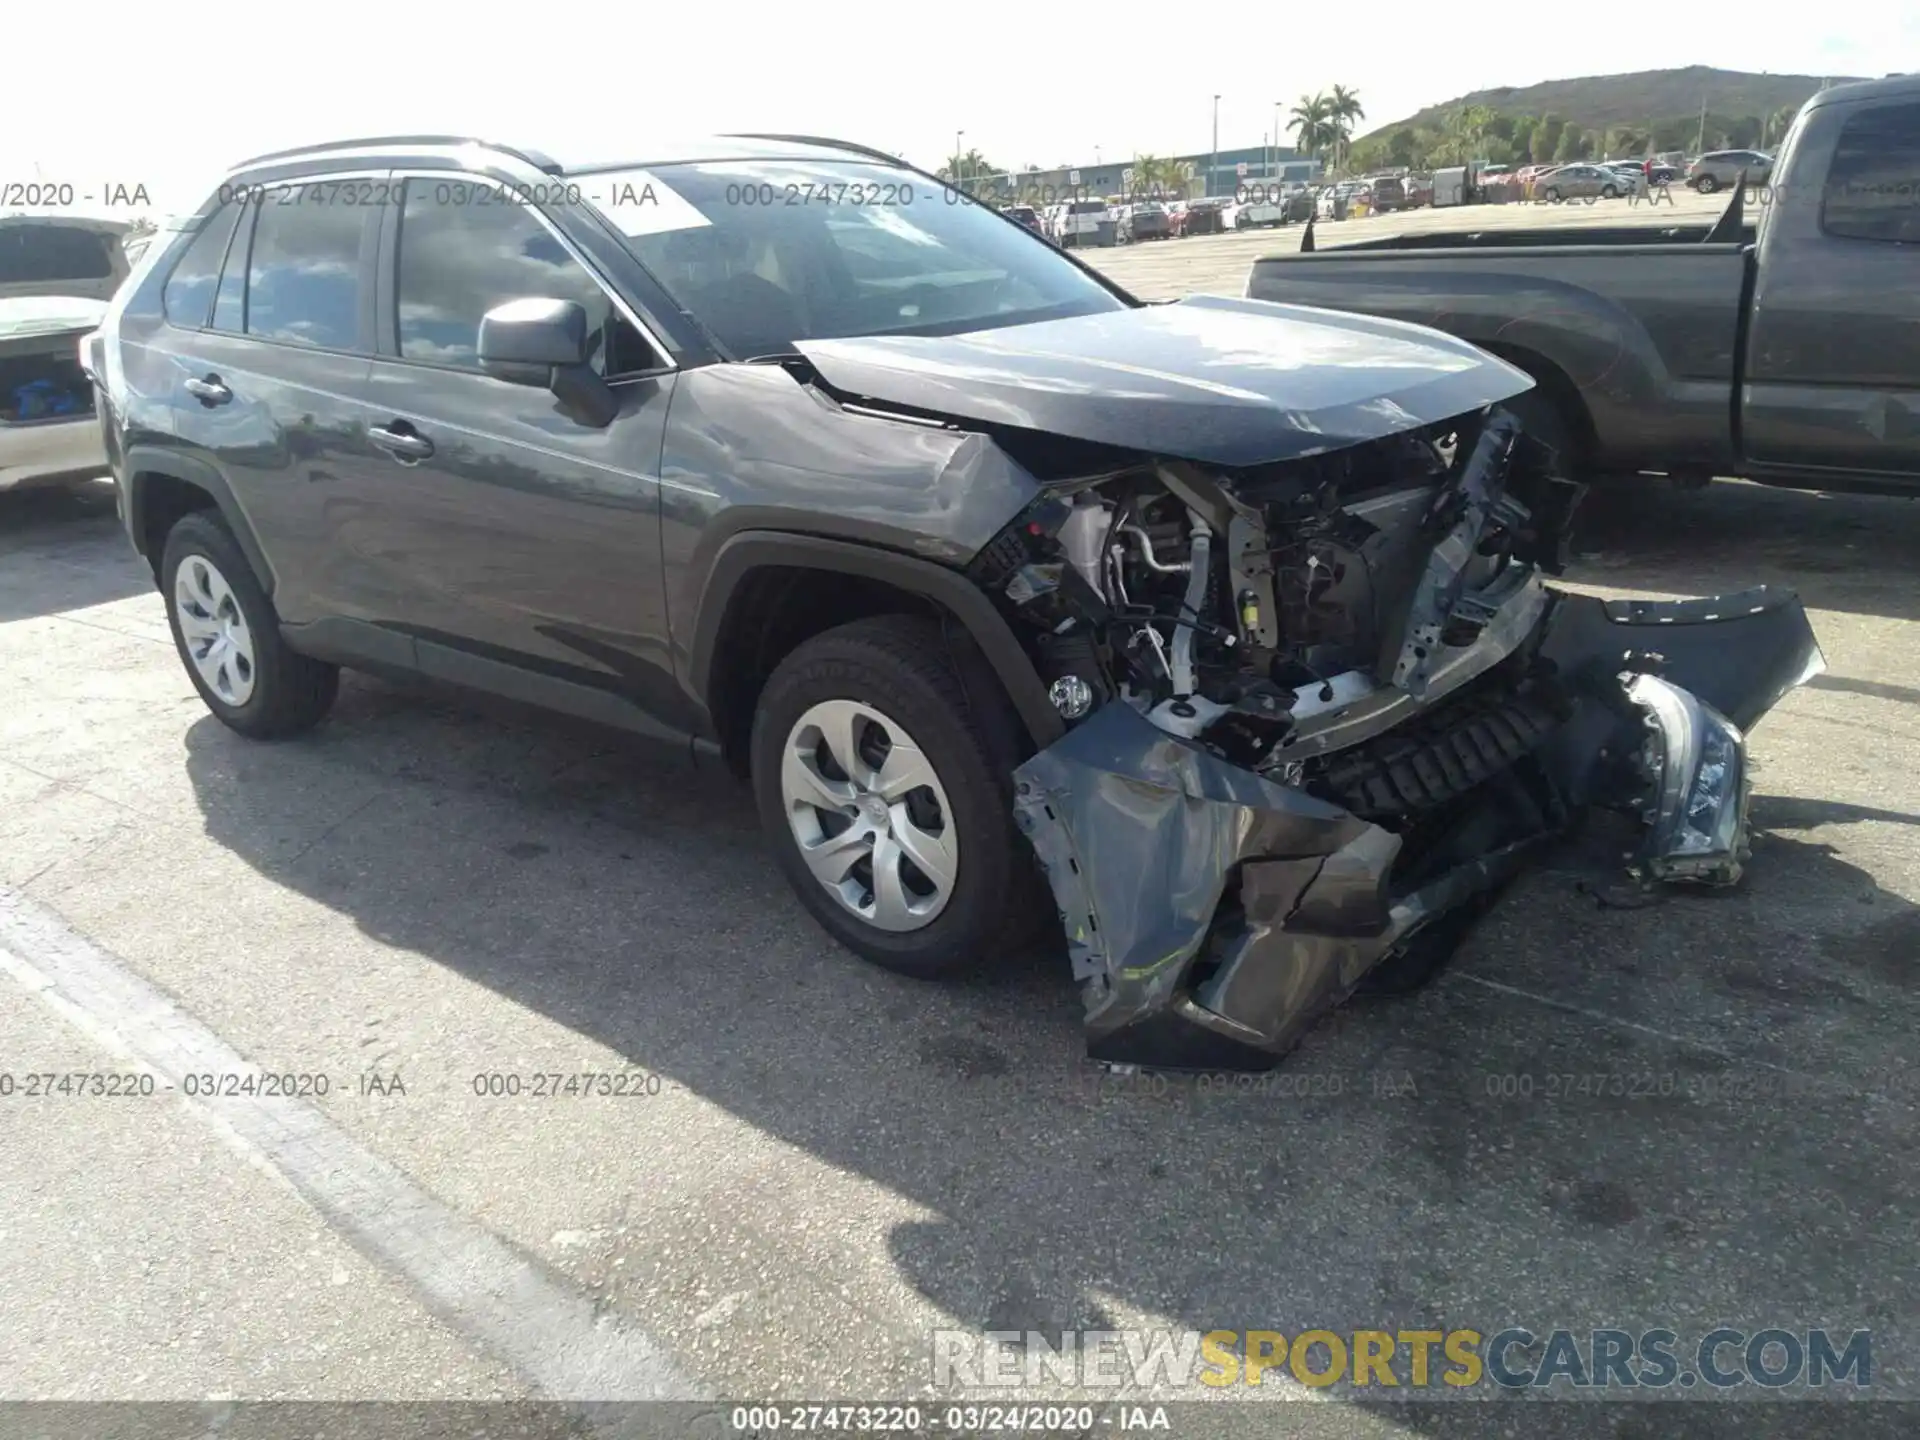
[{"x": 543, "y": 342}]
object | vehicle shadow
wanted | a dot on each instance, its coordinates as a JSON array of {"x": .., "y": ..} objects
[
  {"x": 1380, "y": 1179},
  {"x": 1841, "y": 552},
  {"x": 64, "y": 525}
]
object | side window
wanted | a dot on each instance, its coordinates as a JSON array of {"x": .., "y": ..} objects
[
  {"x": 303, "y": 274},
  {"x": 1873, "y": 185},
  {"x": 464, "y": 251},
  {"x": 230, "y": 302},
  {"x": 188, "y": 295}
]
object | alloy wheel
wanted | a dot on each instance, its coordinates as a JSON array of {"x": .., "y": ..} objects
[
  {"x": 213, "y": 629},
  {"x": 869, "y": 815}
]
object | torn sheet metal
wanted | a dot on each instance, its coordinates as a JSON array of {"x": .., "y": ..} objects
[
  {"x": 1696, "y": 675},
  {"x": 1213, "y": 914}
]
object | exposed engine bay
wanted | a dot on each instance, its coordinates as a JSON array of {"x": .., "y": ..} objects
[{"x": 1320, "y": 710}]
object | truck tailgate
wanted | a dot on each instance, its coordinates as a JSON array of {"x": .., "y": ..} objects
[{"x": 1647, "y": 335}]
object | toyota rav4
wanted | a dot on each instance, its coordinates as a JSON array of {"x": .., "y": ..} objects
[{"x": 1223, "y": 621}]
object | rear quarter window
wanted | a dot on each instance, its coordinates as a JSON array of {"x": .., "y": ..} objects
[
  {"x": 1873, "y": 185},
  {"x": 188, "y": 296}
]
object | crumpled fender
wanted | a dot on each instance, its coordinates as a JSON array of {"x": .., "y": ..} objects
[
  {"x": 1740, "y": 653},
  {"x": 1212, "y": 914},
  {"x": 1139, "y": 832},
  {"x": 1678, "y": 685}
]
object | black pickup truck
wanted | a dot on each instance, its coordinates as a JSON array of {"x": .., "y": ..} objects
[{"x": 1785, "y": 351}]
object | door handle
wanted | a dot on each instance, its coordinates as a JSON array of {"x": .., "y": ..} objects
[
  {"x": 210, "y": 391},
  {"x": 405, "y": 445}
]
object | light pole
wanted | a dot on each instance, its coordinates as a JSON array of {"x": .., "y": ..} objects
[
  {"x": 1213, "y": 164},
  {"x": 1277, "y": 133},
  {"x": 956, "y": 155}
]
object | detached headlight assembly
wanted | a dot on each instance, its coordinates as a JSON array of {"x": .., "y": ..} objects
[{"x": 1696, "y": 760}]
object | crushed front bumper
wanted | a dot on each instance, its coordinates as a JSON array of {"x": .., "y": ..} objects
[{"x": 1213, "y": 914}]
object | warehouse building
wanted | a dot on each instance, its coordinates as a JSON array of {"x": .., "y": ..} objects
[{"x": 1210, "y": 175}]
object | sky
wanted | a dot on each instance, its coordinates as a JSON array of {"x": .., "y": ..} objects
[{"x": 165, "y": 97}]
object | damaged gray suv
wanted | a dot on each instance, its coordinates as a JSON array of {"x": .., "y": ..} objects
[{"x": 1224, "y": 622}]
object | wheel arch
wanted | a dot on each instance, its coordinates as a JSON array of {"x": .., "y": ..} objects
[
  {"x": 163, "y": 485},
  {"x": 1558, "y": 389},
  {"x": 768, "y": 591}
]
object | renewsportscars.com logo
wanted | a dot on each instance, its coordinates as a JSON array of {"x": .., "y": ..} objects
[{"x": 1438, "y": 1360}]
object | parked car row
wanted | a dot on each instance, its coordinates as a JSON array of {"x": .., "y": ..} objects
[{"x": 1095, "y": 221}]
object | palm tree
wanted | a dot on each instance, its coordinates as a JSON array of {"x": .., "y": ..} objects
[
  {"x": 962, "y": 168},
  {"x": 1155, "y": 175},
  {"x": 1343, "y": 108},
  {"x": 1311, "y": 124}
]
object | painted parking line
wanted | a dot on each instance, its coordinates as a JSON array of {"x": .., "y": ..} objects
[{"x": 506, "y": 1301}]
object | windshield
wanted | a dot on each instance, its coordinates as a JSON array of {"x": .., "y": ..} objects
[{"x": 766, "y": 253}]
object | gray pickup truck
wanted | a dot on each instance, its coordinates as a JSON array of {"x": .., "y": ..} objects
[{"x": 1786, "y": 351}]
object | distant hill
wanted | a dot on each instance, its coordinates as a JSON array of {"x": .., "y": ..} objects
[{"x": 1598, "y": 101}]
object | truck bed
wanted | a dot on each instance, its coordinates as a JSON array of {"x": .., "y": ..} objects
[
  {"x": 1559, "y": 237},
  {"x": 1643, "y": 334}
]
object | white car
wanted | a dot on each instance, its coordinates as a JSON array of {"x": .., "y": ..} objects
[
  {"x": 1258, "y": 210},
  {"x": 1083, "y": 222},
  {"x": 1335, "y": 200},
  {"x": 57, "y": 274}
]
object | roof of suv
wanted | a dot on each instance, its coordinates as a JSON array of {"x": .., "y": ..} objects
[{"x": 716, "y": 147}]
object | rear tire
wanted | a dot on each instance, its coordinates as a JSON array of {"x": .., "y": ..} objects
[
  {"x": 227, "y": 634},
  {"x": 892, "y": 681}
]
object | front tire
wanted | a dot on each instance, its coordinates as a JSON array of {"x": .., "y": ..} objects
[
  {"x": 228, "y": 636},
  {"x": 882, "y": 769},
  {"x": 1706, "y": 184}
]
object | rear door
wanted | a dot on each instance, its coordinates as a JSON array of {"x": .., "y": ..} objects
[
  {"x": 1833, "y": 354},
  {"x": 526, "y": 542},
  {"x": 265, "y": 348}
]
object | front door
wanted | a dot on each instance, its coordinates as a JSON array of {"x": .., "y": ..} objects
[{"x": 526, "y": 543}]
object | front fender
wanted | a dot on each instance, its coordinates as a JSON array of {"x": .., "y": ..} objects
[{"x": 753, "y": 549}]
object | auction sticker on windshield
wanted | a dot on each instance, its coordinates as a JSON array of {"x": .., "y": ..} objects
[{"x": 638, "y": 202}]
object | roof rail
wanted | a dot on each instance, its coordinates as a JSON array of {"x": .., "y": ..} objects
[
  {"x": 532, "y": 157},
  {"x": 827, "y": 143}
]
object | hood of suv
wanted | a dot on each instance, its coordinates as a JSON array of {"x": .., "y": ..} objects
[{"x": 1215, "y": 380}]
